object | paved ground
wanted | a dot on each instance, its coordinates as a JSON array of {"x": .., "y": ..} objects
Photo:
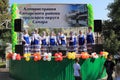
[
  {"x": 4, "y": 74},
  {"x": 105, "y": 78}
]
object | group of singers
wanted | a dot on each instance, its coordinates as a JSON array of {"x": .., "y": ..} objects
[{"x": 34, "y": 42}]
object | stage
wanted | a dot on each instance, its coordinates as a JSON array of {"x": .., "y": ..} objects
[{"x": 45, "y": 70}]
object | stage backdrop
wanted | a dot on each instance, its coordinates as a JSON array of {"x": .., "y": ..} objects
[{"x": 53, "y": 15}]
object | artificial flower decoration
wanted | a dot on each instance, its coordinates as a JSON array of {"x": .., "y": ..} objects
[
  {"x": 94, "y": 55},
  {"x": 9, "y": 56},
  {"x": 18, "y": 57},
  {"x": 71, "y": 55},
  {"x": 37, "y": 57},
  {"x": 84, "y": 55},
  {"x": 103, "y": 53},
  {"x": 58, "y": 56},
  {"x": 27, "y": 56},
  {"x": 14, "y": 56},
  {"x": 45, "y": 56},
  {"x": 49, "y": 56}
]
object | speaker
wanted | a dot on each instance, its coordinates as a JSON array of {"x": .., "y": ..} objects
[
  {"x": 97, "y": 25},
  {"x": 19, "y": 49},
  {"x": 18, "y": 25}
]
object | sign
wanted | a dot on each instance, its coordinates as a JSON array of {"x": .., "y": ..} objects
[{"x": 53, "y": 15}]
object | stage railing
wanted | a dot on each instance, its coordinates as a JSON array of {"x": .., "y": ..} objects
[{"x": 60, "y": 48}]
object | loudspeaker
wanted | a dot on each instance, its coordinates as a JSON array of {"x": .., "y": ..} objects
[
  {"x": 19, "y": 49},
  {"x": 18, "y": 25},
  {"x": 97, "y": 25}
]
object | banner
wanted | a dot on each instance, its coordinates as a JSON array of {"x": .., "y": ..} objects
[{"x": 53, "y": 15}]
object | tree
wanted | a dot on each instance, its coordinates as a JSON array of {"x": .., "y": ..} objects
[
  {"x": 111, "y": 28},
  {"x": 5, "y": 34},
  {"x": 114, "y": 9},
  {"x": 4, "y": 13},
  {"x": 111, "y": 43},
  {"x": 4, "y": 17},
  {"x": 114, "y": 14}
]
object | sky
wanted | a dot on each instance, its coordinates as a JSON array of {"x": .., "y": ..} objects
[{"x": 99, "y": 6}]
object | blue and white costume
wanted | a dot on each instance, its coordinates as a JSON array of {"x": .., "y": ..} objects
[
  {"x": 81, "y": 39},
  {"x": 52, "y": 40},
  {"x": 27, "y": 41},
  {"x": 36, "y": 43},
  {"x": 90, "y": 41},
  {"x": 32, "y": 38},
  {"x": 72, "y": 43},
  {"x": 81, "y": 42},
  {"x": 90, "y": 38},
  {"x": 58, "y": 39},
  {"x": 75, "y": 40},
  {"x": 36, "y": 39},
  {"x": 63, "y": 39},
  {"x": 44, "y": 40}
]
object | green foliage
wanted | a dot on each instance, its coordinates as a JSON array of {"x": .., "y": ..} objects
[
  {"x": 4, "y": 4},
  {"x": 5, "y": 35},
  {"x": 2, "y": 64},
  {"x": 114, "y": 14},
  {"x": 4, "y": 12},
  {"x": 111, "y": 28},
  {"x": 114, "y": 9},
  {"x": 111, "y": 44}
]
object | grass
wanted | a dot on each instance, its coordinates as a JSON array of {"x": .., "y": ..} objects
[{"x": 2, "y": 64}]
